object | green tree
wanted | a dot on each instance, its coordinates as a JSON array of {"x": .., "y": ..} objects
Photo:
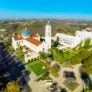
[
  {"x": 87, "y": 64},
  {"x": 13, "y": 86}
]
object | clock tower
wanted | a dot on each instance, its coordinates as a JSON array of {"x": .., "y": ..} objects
[{"x": 48, "y": 35}]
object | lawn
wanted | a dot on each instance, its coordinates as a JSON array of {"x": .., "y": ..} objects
[
  {"x": 72, "y": 85},
  {"x": 36, "y": 67}
]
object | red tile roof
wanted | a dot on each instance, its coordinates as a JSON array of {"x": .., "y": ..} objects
[
  {"x": 34, "y": 41},
  {"x": 20, "y": 38},
  {"x": 33, "y": 36},
  {"x": 31, "y": 40}
]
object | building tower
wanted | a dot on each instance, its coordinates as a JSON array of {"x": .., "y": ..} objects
[
  {"x": 48, "y": 35},
  {"x": 26, "y": 33}
]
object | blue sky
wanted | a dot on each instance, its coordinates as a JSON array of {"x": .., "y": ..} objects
[{"x": 46, "y": 9}]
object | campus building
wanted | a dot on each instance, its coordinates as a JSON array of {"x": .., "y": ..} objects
[{"x": 32, "y": 44}]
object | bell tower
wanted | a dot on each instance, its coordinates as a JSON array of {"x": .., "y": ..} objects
[{"x": 48, "y": 35}]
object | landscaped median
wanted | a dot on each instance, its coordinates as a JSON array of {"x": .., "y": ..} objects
[{"x": 71, "y": 85}]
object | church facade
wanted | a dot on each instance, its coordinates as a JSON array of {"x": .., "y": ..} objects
[{"x": 32, "y": 43}]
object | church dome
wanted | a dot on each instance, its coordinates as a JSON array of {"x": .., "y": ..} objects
[{"x": 26, "y": 33}]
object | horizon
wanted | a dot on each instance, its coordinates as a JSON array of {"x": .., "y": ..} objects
[{"x": 65, "y": 9}]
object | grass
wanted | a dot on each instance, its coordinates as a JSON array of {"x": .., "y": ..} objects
[
  {"x": 36, "y": 67},
  {"x": 71, "y": 85},
  {"x": 54, "y": 71},
  {"x": 67, "y": 64},
  {"x": 45, "y": 76}
]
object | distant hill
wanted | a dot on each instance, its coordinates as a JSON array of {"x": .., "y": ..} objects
[{"x": 38, "y": 26}]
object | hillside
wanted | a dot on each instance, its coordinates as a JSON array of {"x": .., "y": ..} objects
[{"x": 38, "y": 26}]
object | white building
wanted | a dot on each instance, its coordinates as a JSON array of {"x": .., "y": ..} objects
[
  {"x": 67, "y": 40},
  {"x": 71, "y": 41},
  {"x": 83, "y": 34},
  {"x": 33, "y": 42}
]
